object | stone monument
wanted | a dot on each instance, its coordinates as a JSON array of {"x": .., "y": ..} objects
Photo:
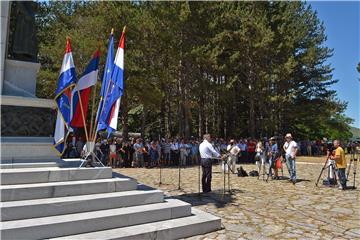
[{"x": 26, "y": 120}]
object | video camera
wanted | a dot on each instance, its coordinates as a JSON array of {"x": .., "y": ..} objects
[{"x": 330, "y": 147}]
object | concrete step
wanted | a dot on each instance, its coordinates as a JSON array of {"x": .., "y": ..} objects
[
  {"x": 16, "y": 210},
  {"x": 52, "y": 174},
  {"x": 29, "y": 165},
  {"x": 199, "y": 223},
  {"x": 70, "y": 224},
  {"x": 63, "y": 189}
]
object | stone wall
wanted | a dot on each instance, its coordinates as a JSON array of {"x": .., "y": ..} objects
[{"x": 27, "y": 121}]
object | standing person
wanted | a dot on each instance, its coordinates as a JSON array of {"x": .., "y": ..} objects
[
  {"x": 119, "y": 159},
  {"x": 251, "y": 150},
  {"x": 104, "y": 147},
  {"x": 153, "y": 154},
  {"x": 290, "y": 147},
  {"x": 167, "y": 152},
  {"x": 139, "y": 153},
  {"x": 112, "y": 154},
  {"x": 340, "y": 161},
  {"x": 125, "y": 154},
  {"x": 194, "y": 152},
  {"x": 234, "y": 151},
  {"x": 79, "y": 146},
  {"x": 183, "y": 152},
  {"x": 259, "y": 157},
  {"x": 273, "y": 155},
  {"x": 158, "y": 148},
  {"x": 98, "y": 151},
  {"x": 146, "y": 155},
  {"x": 243, "y": 153},
  {"x": 174, "y": 152},
  {"x": 207, "y": 152}
]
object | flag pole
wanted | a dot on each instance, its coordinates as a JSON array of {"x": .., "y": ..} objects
[
  {"x": 82, "y": 114},
  {"x": 82, "y": 110},
  {"x": 102, "y": 107},
  {"x": 93, "y": 104}
]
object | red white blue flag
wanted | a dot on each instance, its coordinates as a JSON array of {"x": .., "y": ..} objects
[
  {"x": 66, "y": 81},
  {"x": 83, "y": 86},
  {"x": 113, "y": 99}
]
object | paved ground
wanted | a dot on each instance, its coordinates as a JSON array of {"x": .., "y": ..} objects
[{"x": 266, "y": 210}]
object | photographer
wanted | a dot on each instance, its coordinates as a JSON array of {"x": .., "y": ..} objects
[{"x": 340, "y": 161}]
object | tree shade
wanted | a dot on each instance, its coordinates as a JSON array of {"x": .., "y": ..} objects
[{"x": 233, "y": 69}]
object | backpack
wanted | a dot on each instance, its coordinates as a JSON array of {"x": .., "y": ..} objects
[
  {"x": 254, "y": 173},
  {"x": 241, "y": 172}
]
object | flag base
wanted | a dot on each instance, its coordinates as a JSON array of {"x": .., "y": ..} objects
[{"x": 90, "y": 157}]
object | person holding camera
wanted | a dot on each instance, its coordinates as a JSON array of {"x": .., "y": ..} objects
[
  {"x": 340, "y": 160},
  {"x": 207, "y": 153},
  {"x": 290, "y": 147}
]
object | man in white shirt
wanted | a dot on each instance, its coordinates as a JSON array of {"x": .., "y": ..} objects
[
  {"x": 207, "y": 153},
  {"x": 290, "y": 148},
  {"x": 234, "y": 151}
]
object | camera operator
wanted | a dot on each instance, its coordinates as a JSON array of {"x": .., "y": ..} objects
[{"x": 340, "y": 161}]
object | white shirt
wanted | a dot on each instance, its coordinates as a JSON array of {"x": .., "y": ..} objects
[
  {"x": 112, "y": 148},
  {"x": 207, "y": 150},
  {"x": 174, "y": 146},
  {"x": 234, "y": 149},
  {"x": 290, "y": 148}
]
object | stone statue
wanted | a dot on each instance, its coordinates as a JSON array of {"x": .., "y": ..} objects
[{"x": 24, "y": 42}]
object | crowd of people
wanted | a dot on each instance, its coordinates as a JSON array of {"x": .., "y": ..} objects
[{"x": 136, "y": 152}]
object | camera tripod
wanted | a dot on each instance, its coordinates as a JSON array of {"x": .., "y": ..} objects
[
  {"x": 90, "y": 157},
  {"x": 353, "y": 158},
  {"x": 225, "y": 163},
  {"x": 330, "y": 165},
  {"x": 261, "y": 164}
]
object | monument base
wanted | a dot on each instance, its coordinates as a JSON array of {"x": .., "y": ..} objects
[
  {"x": 27, "y": 125},
  {"x": 20, "y": 78},
  {"x": 27, "y": 150}
]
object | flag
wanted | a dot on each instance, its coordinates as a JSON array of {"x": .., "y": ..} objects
[
  {"x": 66, "y": 81},
  {"x": 109, "y": 66},
  {"x": 84, "y": 84},
  {"x": 113, "y": 99}
]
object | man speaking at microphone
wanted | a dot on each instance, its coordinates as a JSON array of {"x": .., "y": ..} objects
[{"x": 207, "y": 153}]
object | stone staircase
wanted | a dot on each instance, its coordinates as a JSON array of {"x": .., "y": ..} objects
[{"x": 91, "y": 203}]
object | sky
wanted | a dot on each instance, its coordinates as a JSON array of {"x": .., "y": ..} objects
[{"x": 342, "y": 23}]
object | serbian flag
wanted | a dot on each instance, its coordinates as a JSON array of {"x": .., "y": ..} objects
[
  {"x": 113, "y": 99},
  {"x": 83, "y": 86},
  {"x": 66, "y": 81}
]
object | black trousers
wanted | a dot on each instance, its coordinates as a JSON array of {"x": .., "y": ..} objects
[{"x": 206, "y": 165}]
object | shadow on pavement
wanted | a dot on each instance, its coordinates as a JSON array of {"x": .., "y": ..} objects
[{"x": 215, "y": 197}]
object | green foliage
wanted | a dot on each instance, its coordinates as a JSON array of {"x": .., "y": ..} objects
[{"x": 228, "y": 68}]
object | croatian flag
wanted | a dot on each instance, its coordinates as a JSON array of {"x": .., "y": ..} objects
[
  {"x": 84, "y": 85},
  {"x": 113, "y": 99},
  {"x": 66, "y": 81},
  {"x": 109, "y": 66}
]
